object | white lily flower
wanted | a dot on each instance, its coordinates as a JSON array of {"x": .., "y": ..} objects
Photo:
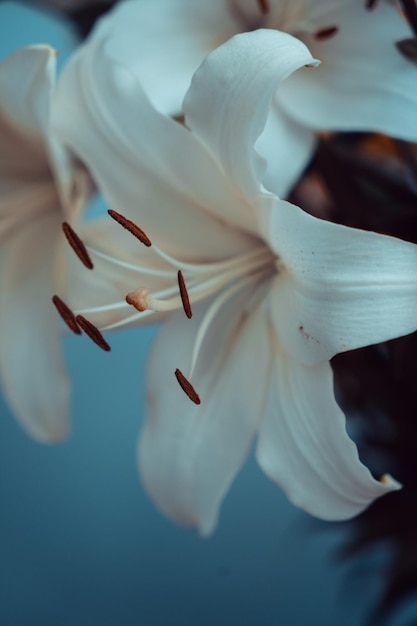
[
  {"x": 363, "y": 82},
  {"x": 31, "y": 369},
  {"x": 40, "y": 188},
  {"x": 274, "y": 292}
]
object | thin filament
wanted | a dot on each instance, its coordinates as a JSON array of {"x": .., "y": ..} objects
[{"x": 213, "y": 310}]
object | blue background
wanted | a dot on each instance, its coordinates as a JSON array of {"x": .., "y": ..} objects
[{"x": 81, "y": 544}]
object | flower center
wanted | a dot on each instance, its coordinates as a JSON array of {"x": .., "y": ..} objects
[
  {"x": 290, "y": 16},
  {"x": 185, "y": 284}
]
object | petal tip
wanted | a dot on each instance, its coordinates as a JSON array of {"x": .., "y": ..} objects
[{"x": 390, "y": 483}]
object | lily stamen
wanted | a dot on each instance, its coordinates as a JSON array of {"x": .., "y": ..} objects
[
  {"x": 323, "y": 34},
  {"x": 131, "y": 227},
  {"x": 142, "y": 300},
  {"x": 141, "y": 235},
  {"x": 93, "y": 332},
  {"x": 66, "y": 314},
  {"x": 184, "y": 295},
  {"x": 213, "y": 310},
  {"x": 77, "y": 245},
  {"x": 76, "y": 323},
  {"x": 130, "y": 266},
  {"x": 187, "y": 387}
]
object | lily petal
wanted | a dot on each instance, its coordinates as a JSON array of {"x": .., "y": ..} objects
[
  {"x": 286, "y": 147},
  {"x": 147, "y": 166},
  {"x": 229, "y": 99},
  {"x": 303, "y": 445},
  {"x": 363, "y": 83},
  {"x": 31, "y": 368},
  {"x": 27, "y": 149},
  {"x": 163, "y": 43},
  {"x": 26, "y": 79},
  {"x": 188, "y": 454},
  {"x": 343, "y": 288}
]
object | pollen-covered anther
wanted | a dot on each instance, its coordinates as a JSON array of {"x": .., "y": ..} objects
[
  {"x": 131, "y": 227},
  {"x": 263, "y": 6},
  {"x": 184, "y": 295},
  {"x": 66, "y": 314},
  {"x": 187, "y": 387},
  {"x": 93, "y": 332},
  {"x": 326, "y": 33},
  {"x": 77, "y": 245},
  {"x": 139, "y": 299}
]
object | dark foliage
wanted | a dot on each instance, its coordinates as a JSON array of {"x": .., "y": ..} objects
[
  {"x": 370, "y": 182},
  {"x": 84, "y": 17},
  {"x": 82, "y": 14}
]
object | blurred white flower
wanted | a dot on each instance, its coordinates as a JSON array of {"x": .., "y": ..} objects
[
  {"x": 274, "y": 292},
  {"x": 35, "y": 183},
  {"x": 40, "y": 188},
  {"x": 363, "y": 83}
]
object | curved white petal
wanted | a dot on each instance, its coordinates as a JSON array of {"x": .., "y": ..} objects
[
  {"x": 27, "y": 78},
  {"x": 303, "y": 445},
  {"x": 363, "y": 83},
  {"x": 27, "y": 149},
  {"x": 342, "y": 289},
  {"x": 25, "y": 81},
  {"x": 163, "y": 42},
  {"x": 188, "y": 454},
  {"x": 31, "y": 368},
  {"x": 147, "y": 166},
  {"x": 286, "y": 147},
  {"x": 230, "y": 96}
]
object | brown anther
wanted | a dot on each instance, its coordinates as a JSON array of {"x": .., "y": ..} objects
[
  {"x": 326, "y": 33},
  {"x": 187, "y": 387},
  {"x": 263, "y": 6},
  {"x": 131, "y": 227},
  {"x": 93, "y": 332},
  {"x": 66, "y": 314},
  {"x": 370, "y": 4},
  {"x": 184, "y": 295},
  {"x": 77, "y": 245}
]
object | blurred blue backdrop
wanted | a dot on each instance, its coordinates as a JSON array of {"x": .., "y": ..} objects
[{"x": 80, "y": 543}]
